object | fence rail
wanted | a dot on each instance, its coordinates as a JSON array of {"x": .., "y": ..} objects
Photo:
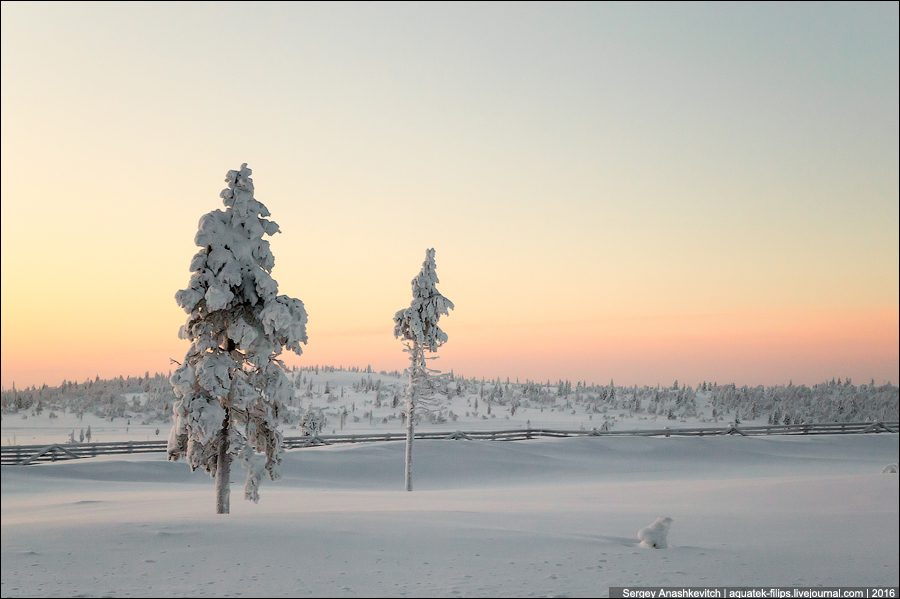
[{"x": 23, "y": 455}]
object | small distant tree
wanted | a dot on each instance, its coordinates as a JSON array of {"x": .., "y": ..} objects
[
  {"x": 418, "y": 327},
  {"x": 313, "y": 421},
  {"x": 231, "y": 387}
]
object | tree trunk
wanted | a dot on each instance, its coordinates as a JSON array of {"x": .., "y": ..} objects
[
  {"x": 223, "y": 470},
  {"x": 410, "y": 414},
  {"x": 414, "y": 380}
]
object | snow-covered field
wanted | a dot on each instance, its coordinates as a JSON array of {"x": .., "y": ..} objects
[{"x": 549, "y": 517}]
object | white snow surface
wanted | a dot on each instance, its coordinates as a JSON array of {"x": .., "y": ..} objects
[{"x": 546, "y": 517}]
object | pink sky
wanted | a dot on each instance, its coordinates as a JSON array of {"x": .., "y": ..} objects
[{"x": 746, "y": 349}]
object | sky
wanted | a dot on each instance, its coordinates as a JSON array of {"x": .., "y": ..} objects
[{"x": 632, "y": 192}]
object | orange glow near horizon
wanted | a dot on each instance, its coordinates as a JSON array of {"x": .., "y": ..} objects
[
  {"x": 746, "y": 349},
  {"x": 742, "y": 348}
]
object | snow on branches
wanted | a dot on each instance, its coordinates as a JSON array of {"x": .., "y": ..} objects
[
  {"x": 419, "y": 322},
  {"x": 418, "y": 327},
  {"x": 231, "y": 386}
]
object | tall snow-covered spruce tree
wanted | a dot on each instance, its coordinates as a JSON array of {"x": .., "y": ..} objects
[
  {"x": 232, "y": 386},
  {"x": 418, "y": 327}
]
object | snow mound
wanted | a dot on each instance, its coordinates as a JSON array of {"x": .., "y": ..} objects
[
  {"x": 655, "y": 535},
  {"x": 890, "y": 469}
]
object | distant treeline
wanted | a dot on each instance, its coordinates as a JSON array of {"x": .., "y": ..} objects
[{"x": 150, "y": 398}]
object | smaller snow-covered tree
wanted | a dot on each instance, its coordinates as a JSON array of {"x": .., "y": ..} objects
[
  {"x": 313, "y": 422},
  {"x": 418, "y": 326}
]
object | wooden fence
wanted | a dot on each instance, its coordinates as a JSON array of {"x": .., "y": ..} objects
[{"x": 23, "y": 455}]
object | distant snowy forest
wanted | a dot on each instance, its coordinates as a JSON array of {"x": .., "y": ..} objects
[{"x": 333, "y": 397}]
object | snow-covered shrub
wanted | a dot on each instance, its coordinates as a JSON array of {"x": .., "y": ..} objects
[
  {"x": 656, "y": 534},
  {"x": 231, "y": 386},
  {"x": 313, "y": 422}
]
